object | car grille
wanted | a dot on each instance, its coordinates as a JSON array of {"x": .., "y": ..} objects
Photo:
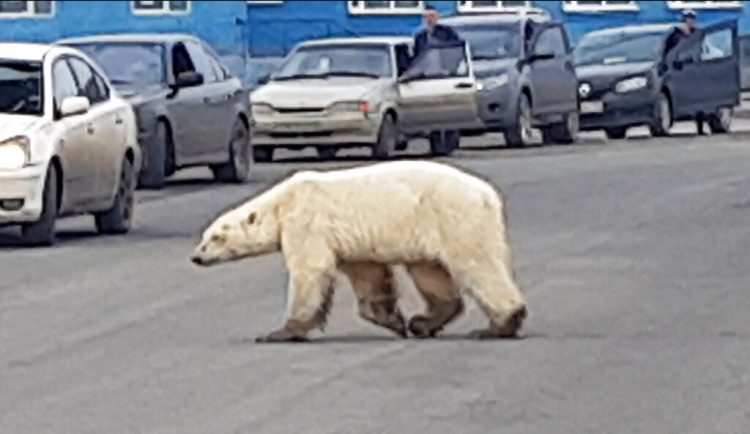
[
  {"x": 598, "y": 88},
  {"x": 300, "y": 109},
  {"x": 293, "y": 135}
]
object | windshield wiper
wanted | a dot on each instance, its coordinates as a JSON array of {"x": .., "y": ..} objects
[
  {"x": 116, "y": 82},
  {"x": 352, "y": 74},
  {"x": 485, "y": 57},
  {"x": 297, "y": 76}
]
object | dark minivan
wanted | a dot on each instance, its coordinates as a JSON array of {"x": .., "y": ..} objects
[{"x": 629, "y": 76}]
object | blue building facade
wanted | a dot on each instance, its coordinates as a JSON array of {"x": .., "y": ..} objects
[{"x": 252, "y": 36}]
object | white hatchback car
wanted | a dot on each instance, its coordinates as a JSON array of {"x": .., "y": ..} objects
[{"x": 68, "y": 142}]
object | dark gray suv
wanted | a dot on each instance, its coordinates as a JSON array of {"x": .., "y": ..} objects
[{"x": 526, "y": 79}]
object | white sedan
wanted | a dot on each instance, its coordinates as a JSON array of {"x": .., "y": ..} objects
[{"x": 67, "y": 142}]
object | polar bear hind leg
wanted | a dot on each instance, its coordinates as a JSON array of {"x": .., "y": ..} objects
[
  {"x": 376, "y": 295},
  {"x": 441, "y": 295}
]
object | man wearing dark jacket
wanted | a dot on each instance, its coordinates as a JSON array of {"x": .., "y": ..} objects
[{"x": 431, "y": 33}]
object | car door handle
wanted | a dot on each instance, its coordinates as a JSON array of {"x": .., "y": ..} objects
[{"x": 464, "y": 85}]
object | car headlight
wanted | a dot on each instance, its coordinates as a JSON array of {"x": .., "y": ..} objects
[
  {"x": 631, "y": 84},
  {"x": 350, "y": 106},
  {"x": 261, "y": 109},
  {"x": 493, "y": 82},
  {"x": 14, "y": 153}
]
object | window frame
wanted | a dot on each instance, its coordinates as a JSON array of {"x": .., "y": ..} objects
[
  {"x": 31, "y": 12},
  {"x": 678, "y": 5},
  {"x": 392, "y": 10},
  {"x": 467, "y": 6},
  {"x": 264, "y": 2},
  {"x": 604, "y": 6},
  {"x": 165, "y": 10}
]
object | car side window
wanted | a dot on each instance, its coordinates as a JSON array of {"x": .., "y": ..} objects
[
  {"x": 717, "y": 45},
  {"x": 181, "y": 61},
  {"x": 88, "y": 85},
  {"x": 551, "y": 40},
  {"x": 63, "y": 83},
  {"x": 201, "y": 62}
]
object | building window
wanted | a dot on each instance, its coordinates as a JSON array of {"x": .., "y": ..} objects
[
  {"x": 385, "y": 7},
  {"x": 20, "y": 9},
  {"x": 704, "y": 4},
  {"x": 492, "y": 6},
  {"x": 599, "y": 6},
  {"x": 171, "y": 7}
]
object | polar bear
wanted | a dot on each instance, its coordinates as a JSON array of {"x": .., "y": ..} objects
[{"x": 430, "y": 216}]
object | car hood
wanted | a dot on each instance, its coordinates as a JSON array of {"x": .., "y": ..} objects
[
  {"x": 139, "y": 94},
  {"x": 614, "y": 70},
  {"x": 488, "y": 68},
  {"x": 316, "y": 93},
  {"x": 15, "y": 125}
]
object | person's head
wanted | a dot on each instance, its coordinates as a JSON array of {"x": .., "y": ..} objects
[
  {"x": 689, "y": 17},
  {"x": 430, "y": 16}
]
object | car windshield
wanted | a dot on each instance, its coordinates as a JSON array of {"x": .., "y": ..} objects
[
  {"x": 624, "y": 47},
  {"x": 128, "y": 63},
  {"x": 373, "y": 61},
  {"x": 491, "y": 42},
  {"x": 21, "y": 87}
]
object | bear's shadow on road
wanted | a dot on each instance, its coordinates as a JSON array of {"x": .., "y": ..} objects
[{"x": 372, "y": 339}]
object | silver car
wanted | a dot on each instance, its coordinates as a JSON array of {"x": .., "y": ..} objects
[{"x": 362, "y": 92}]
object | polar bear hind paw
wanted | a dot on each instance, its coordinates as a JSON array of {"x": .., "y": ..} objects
[{"x": 282, "y": 335}]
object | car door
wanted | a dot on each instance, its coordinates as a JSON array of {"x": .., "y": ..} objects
[
  {"x": 438, "y": 90},
  {"x": 189, "y": 114},
  {"x": 106, "y": 128},
  {"x": 79, "y": 165},
  {"x": 720, "y": 66},
  {"x": 552, "y": 76},
  {"x": 685, "y": 72}
]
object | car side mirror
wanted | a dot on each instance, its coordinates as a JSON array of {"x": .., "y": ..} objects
[
  {"x": 189, "y": 79},
  {"x": 541, "y": 56},
  {"x": 74, "y": 105}
]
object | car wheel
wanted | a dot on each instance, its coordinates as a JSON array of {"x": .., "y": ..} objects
[
  {"x": 387, "y": 138},
  {"x": 402, "y": 144},
  {"x": 119, "y": 218},
  {"x": 262, "y": 154},
  {"x": 721, "y": 121},
  {"x": 327, "y": 153},
  {"x": 662, "y": 121},
  {"x": 616, "y": 133},
  {"x": 237, "y": 168},
  {"x": 520, "y": 134},
  {"x": 565, "y": 132},
  {"x": 42, "y": 231},
  {"x": 157, "y": 166}
]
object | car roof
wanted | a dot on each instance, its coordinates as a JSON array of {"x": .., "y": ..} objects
[
  {"x": 159, "y": 38},
  {"x": 636, "y": 28},
  {"x": 388, "y": 40},
  {"x": 29, "y": 51}
]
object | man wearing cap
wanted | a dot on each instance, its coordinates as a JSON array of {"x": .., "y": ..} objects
[{"x": 431, "y": 33}]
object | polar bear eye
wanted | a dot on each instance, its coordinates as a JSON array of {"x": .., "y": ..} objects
[
  {"x": 217, "y": 238},
  {"x": 252, "y": 217}
]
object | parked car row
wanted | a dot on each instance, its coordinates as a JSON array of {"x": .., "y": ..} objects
[
  {"x": 513, "y": 74},
  {"x": 84, "y": 122}
]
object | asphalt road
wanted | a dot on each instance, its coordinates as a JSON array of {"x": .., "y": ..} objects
[{"x": 634, "y": 255}]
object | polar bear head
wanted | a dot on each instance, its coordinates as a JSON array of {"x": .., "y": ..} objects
[{"x": 246, "y": 231}]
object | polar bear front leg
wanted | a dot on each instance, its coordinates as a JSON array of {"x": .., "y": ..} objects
[
  {"x": 309, "y": 297},
  {"x": 441, "y": 295}
]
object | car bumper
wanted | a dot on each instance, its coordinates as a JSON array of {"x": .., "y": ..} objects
[
  {"x": 21, "y": 193},
  {"x": 286, "y": 130},
  {"x": 617, "y": 111}
]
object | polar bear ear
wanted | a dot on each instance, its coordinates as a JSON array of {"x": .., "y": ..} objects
[{"x": 252, "y": 218}]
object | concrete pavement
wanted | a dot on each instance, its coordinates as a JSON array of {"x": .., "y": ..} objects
[{"x": 633, "y": 254}]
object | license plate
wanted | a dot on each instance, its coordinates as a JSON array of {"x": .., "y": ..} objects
[{"x": 592, "y": 107}]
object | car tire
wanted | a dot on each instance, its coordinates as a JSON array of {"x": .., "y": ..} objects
[
  {"x": 237, "y": 169},
  {"x": 662, "y": 121},
  {"x": 519, "y": 134},
  {"x": 157, "y": 168},
  {"x": 387, "y": 138},
  {"x": 721, "y": 121},
  {"x": 119, "y": 218},
  {"x": 616, "y": 133},
  {"x": 327, "y": 153},
  {"x": 441, "y": 145},
  {"x": 402, "y": 144},
  {"x": 565, "y": 132},
  {"x": 42, "y": 231},
  {"x": 263, "y": 154}
]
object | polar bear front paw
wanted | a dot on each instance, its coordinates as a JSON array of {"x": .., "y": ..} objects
[
  {"x": 282, "y": 335},
  {"x": 421, "y": 327}
]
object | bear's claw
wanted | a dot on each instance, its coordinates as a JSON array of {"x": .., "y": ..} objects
[{"x": 508, "y": 330}]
